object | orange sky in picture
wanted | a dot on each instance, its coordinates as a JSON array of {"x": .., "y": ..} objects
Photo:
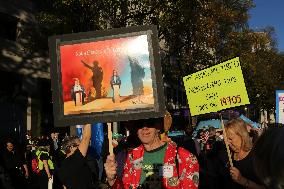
[{"x": 71, "y": 66}]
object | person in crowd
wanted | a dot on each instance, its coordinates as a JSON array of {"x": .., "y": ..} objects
[
  {"x": 92, "y": 162},
  {"x": 269, "y": 158},
  {"x": 31, "y": 163},
  {"x": 55, "y": 141},
  {"x": 15, "y": 166},
  {"x": 74, "y": 171},
  {"x": 57, "y": 156},
  {"x": 45, "y": 165},
  {"x": 189, "y": 143},
  {"x": 178, "y": 167},
  {"x": 129, "y": 143},
  {"x": 242, "y": 172},
  {"x": 211, "y": 138},
  {"x": 61, "y": 155},
  {"x": 203, "y": 136},
  {"x": 212, "y": 160},
  {"x": 55, "y": 145},
  {"x": 253, "y": 133},
  {"x": 219, "y": 135}
]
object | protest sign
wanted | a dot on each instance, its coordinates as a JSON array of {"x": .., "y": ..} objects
[
  {"x": 106, "y": 76},
  {"x": 280, "y": 106},
  {"x": 216, "y": 88}
]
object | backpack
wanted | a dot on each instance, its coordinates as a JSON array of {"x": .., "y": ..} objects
[
  {"x": 35, "y": 163},
  {"x": 35, "y": 168}
]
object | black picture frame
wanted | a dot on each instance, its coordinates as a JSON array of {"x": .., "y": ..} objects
[{"x": 63, "y": 119}]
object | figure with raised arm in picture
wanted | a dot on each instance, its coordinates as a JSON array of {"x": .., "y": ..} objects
[{"x": 97, "y": 76}]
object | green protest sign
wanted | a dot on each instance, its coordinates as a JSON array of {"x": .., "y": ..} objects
[{"x": 216, "y": 88}]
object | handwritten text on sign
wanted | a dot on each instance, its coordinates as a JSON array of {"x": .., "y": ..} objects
[{"x": 216, "y": 88}]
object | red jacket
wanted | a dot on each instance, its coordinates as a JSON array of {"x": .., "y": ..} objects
[{"x": 188, "y": 167}]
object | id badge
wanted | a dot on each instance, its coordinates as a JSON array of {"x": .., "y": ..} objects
[{"x": 167, "y": 171}]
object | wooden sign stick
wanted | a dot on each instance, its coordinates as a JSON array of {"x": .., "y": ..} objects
[
  {"x": 109, "y": 134},
  {"x": 226, "y": 142}
]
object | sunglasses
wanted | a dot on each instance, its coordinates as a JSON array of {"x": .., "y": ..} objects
[
  {"x": 149, "y": 125},
  {"x": 145, "y": 125}
]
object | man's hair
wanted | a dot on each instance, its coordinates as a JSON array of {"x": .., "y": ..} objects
[
  {"x": 239, "y": 127},
  {"x": 9, "y": 141},
  {"x": 68, "y": 142},
  {"x": 211, "y": 128},
  {"x": 43, "y": 148}
]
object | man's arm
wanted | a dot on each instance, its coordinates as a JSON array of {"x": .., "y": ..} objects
[
  {"x": 101, "y": 70},
  {"x": 86, "y": 137},
  {"x": 111, "y": 169},
  {"x": 190, "y": 163},
  {"x": 83, "y": 90},
  {"x": 45, "y": 163},
  {"x": 24, "y": 164},
  {"x": 118, "y": 80},
  {"x": 85, "y": 64},
  {"x": 72, "y": 93},
  {"x": 111, "y": 81},
  {"x": 26, "y": 170}
]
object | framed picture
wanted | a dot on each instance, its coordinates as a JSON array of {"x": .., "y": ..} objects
[{"x": 106, "y": 76}]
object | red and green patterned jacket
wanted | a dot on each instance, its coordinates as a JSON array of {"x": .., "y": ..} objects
[{"x": 188, "y": 167}]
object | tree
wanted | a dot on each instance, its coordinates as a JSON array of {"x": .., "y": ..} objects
[
  {"x": 261, "y": 64},
  {"x": 193, "y": 34},
  {"x": 196, "y": 32}
]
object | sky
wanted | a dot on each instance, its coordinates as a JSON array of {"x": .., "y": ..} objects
[{"x": 269, "y": 13}]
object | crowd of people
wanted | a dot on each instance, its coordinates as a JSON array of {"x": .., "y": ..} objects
[
  {"x": 30, "y": 164},
  {"x": 145, "y": 160}
]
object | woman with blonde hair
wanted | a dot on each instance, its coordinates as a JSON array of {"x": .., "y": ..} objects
[{"x": 242, "y": 172}]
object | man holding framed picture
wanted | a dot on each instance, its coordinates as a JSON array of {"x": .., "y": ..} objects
[{"x": 155, "y": 163}]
